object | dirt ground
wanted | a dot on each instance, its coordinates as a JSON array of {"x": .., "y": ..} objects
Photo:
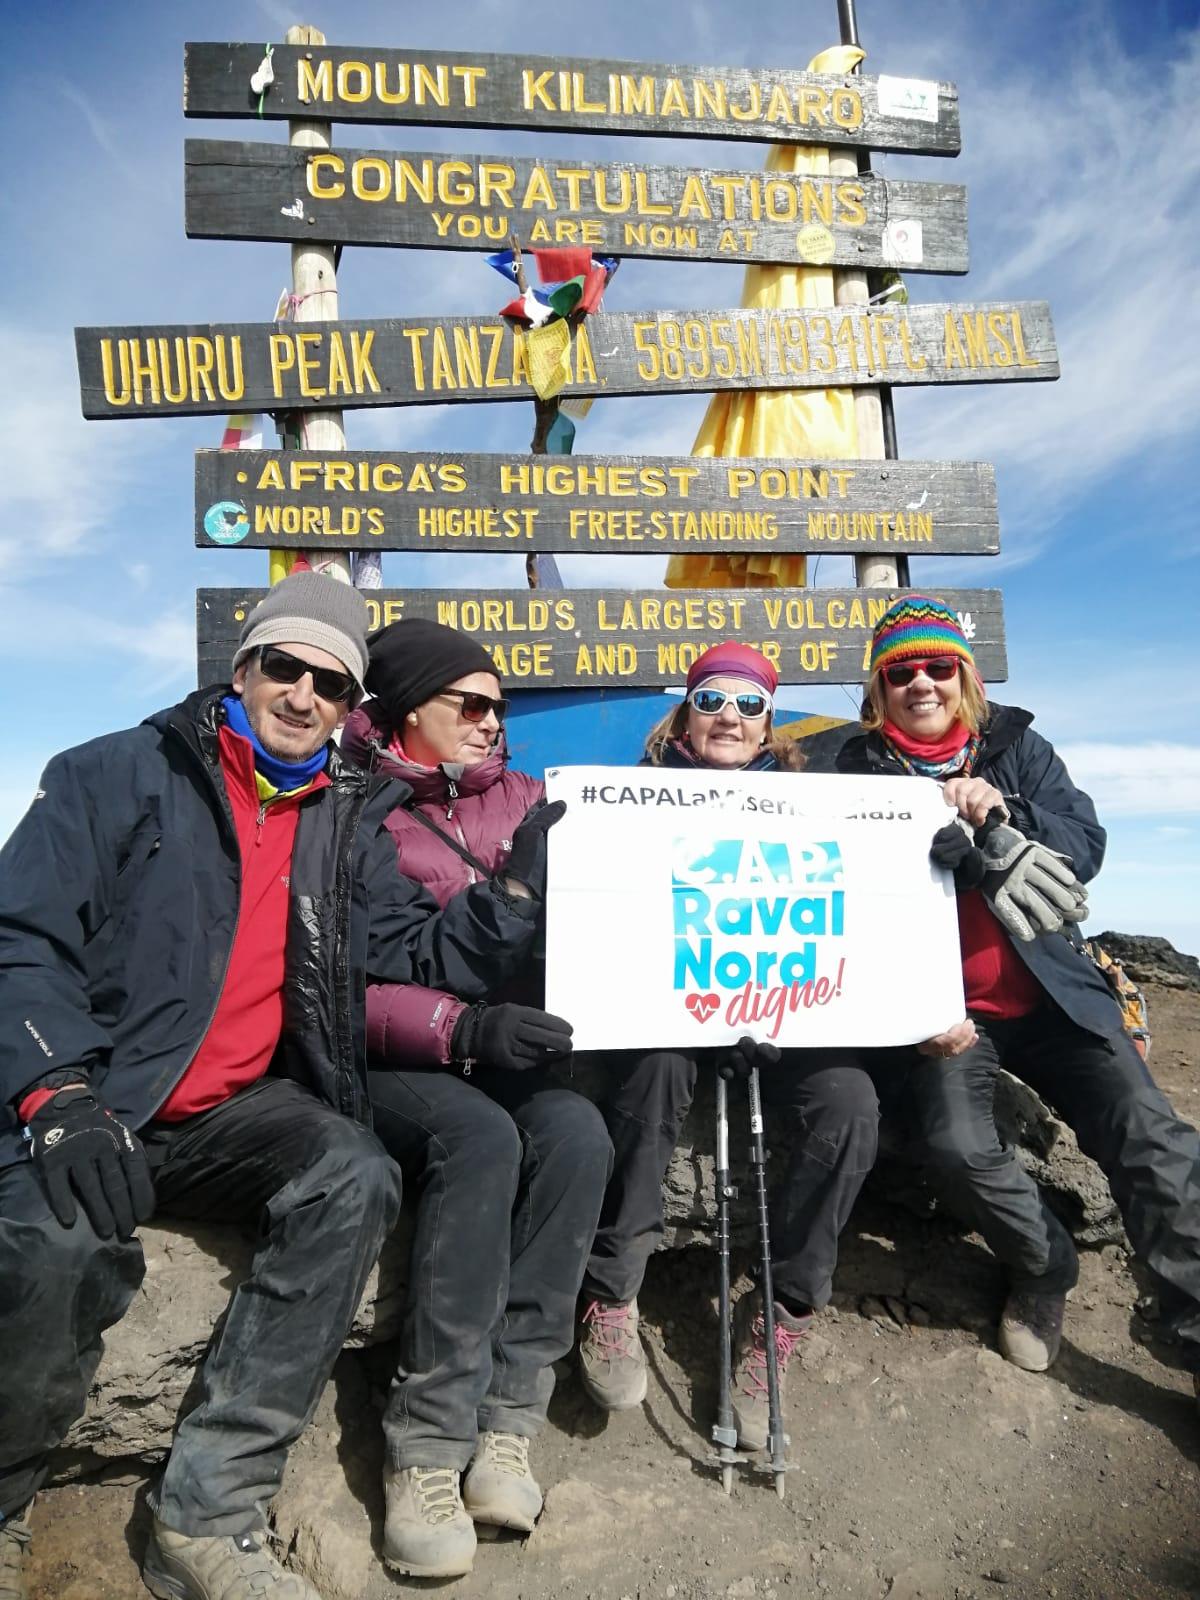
[{"x": 922, "y": 1464}]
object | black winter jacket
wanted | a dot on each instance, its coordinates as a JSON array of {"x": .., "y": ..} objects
[
  {"x": 119, "y": 895},
  {"x": 1045, "y": 805}
]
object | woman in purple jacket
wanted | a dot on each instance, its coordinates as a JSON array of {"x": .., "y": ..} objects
[{"x": 508, "y": 1168}]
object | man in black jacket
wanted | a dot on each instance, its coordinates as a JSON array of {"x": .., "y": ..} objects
[{"x": 184, "y": 948}]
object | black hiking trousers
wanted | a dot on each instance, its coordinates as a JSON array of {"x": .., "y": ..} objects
[
  {"x": 821, "y": 1107},
  {"x": 507, "y": 1170},
  {"x": 1104, "y": 1092},
  {"x": 323, "y": 1195}
]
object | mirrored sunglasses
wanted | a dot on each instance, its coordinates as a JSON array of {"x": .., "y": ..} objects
[
  {"x": 475, "y": 706},
  {"x": 941, "y": 669},
  {"x": 282, "y": 667},
  {"x": 710, "y": 702}
]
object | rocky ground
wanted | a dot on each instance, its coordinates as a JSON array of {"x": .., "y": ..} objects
[{"x": 922, "y": 1465}]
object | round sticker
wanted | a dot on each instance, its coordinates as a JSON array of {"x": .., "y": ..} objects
[
  {"x": 814, "y": 244},
  {"x": 226, "y": 522}
]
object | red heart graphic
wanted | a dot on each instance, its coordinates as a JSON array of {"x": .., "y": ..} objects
[{"x": 702, "y": 1006}]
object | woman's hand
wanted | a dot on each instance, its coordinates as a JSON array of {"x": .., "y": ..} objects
[
  {"x": 956, "y": 1041},
  {"x": 973, "y": 798}
]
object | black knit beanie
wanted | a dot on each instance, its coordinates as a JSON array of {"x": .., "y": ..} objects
[{"x": 411, "y": 660}]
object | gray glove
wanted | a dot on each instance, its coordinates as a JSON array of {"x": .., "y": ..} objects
[{"x": 1031, "y": 889}]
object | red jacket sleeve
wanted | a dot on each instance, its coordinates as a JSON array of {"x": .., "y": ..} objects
[{"x": 408, "y": 1026}]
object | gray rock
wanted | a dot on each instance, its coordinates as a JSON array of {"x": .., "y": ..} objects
[{"x": 1152, "y": 960}]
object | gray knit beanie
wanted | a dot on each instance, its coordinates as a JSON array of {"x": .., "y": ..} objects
[{"x": 311, "y": 609}]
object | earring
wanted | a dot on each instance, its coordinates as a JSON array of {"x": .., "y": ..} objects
[{"x": 412, "y": 717}]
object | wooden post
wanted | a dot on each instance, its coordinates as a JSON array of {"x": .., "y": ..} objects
[
  {"x": 544, "y": 413},
  {"x": 850, "y": 289},
  {"x": 314, "y": 286}
]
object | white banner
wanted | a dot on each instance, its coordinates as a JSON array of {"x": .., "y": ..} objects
[{"x": 688, "y": 908}]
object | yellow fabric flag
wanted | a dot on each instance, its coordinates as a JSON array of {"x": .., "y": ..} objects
[
  {"x": 815, "y": 423},
  {"x": 549, "y": 352}
]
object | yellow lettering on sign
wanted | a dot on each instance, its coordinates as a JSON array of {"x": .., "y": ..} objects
[{"x": 319, "y": 163}]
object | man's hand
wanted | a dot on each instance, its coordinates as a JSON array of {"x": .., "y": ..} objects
[
  {"x": 747, "y": 1054},
  {"x": 525, "y": 870},
  {"x": 510, "y": 1036},
  {"x": 81, "y": 1152},
  {"x": 956, "y": 1041},
  {"x": 1031, "y": 889}
]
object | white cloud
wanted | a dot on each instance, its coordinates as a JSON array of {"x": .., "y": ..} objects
[
  {"x": 1137, "y": 779},
  {"x": 63, "y": 477}
]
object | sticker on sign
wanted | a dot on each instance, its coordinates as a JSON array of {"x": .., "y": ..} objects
[
  {"x": 916, "y": 98},
  {"x": 903, "y": 243}
]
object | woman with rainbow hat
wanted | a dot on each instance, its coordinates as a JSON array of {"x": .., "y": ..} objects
[
  {"x": 1023, "y": 839},
  {"x": 724, "y": 723}
]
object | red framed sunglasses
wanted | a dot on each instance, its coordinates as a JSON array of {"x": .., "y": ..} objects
[{"x": 940, "y": 668}]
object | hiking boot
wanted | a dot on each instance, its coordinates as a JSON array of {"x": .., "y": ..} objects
[
  {"x": 15, "y": 1534},
  {"x": 1031, "y": 1328},
  {"x": 499, "y": 1488},
  {"x": 426, "y": 1532},
  {"x": 229, "y": 1567},
  {"x": 612, "y": 1362},
  {"x": 748, "y": 1391}
]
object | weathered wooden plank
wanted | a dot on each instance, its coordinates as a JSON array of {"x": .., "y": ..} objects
[
  {"x": 424, "y": 200},
  {"x": 595, "y": 637},
  {"x": 616, "y": 505},
  {"x": 448, "y": 88},
  {"x": 196, "y": 369}
]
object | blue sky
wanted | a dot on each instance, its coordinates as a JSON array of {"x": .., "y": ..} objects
[{"x": 1082, "y": 170}]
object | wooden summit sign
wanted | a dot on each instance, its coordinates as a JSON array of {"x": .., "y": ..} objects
[
  {"x": 619, "y": 505},
  {"x": 448, "y": 89},
  {"x": 192, "y": 370},
  {"x": 440, "y": 201},
  {"x": 590, "y": 638}
]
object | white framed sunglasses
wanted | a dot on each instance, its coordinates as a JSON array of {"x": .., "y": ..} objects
[{"x": 750, "y": 703}]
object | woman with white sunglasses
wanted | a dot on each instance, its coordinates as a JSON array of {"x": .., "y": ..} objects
[{"x": 724, "y": 724}]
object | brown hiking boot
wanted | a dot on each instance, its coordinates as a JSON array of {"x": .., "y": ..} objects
[
  {"x": 239, "y": 1566},
  {"x": 612, "y": 1362},
  {"x": 15, "y": 1534},
  {"x": 748, "y": 1391},
  {"x": 1031, "y": 1329}
]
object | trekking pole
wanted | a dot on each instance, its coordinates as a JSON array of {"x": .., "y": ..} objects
[
  {"x": 776, "y": 1440},
  {"x": 724, "y": 1433}
]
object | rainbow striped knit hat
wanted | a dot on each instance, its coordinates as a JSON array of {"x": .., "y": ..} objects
[{"x": 916, "y": 627}]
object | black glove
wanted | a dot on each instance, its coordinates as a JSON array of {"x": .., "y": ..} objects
[
  {"x": 1030, "y": 887},
  {"x": 509, "y": 1036},
  {"x": 745, "y": 1055},
  {"x": 80, "y": 1150},
  {"x": 952, "y": 849},
  {"x": 527, "y": 862}
]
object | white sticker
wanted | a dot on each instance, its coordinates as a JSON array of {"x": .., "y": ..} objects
[
  {"x": 902, "y": 243},
  {"x": 296, "y": 209},
  {"x": 915, "y": 98}
]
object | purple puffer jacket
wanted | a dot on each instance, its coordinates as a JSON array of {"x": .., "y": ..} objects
[{"x": 408, "y": 1026}]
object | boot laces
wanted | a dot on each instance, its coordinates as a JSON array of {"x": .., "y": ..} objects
[
  {"x": 437, "y": 1491},
  {"x": 754, "y": 1362},
  {"x": 611, "y": 1329},
  {"x": 508, "y": 1452}
]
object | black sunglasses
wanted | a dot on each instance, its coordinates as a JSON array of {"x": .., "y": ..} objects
[
  {"x": 940, "y": 668},
  {"x": 475, "y": 706},
  {"x": 281, "y": 667}
]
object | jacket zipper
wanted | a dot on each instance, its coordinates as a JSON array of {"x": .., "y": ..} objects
[
  {"x": 227, "y": 814},
  {"x": 451, "y": 802}
]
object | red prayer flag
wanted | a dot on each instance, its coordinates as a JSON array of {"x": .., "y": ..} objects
[{"x": 554, "y": 266}]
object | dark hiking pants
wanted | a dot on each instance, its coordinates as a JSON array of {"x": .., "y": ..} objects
[
  {"x": 324, "y": 1196},
  {"x": 819, "y": 1105},
  {"x": 1104, "y": 1092},
  {"x": 508, "y": 1170}
]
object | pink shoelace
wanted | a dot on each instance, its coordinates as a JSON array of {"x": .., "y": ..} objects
[
  {"x": 754, "y": 1372},
  {"x": 611, "y": 1332}
]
